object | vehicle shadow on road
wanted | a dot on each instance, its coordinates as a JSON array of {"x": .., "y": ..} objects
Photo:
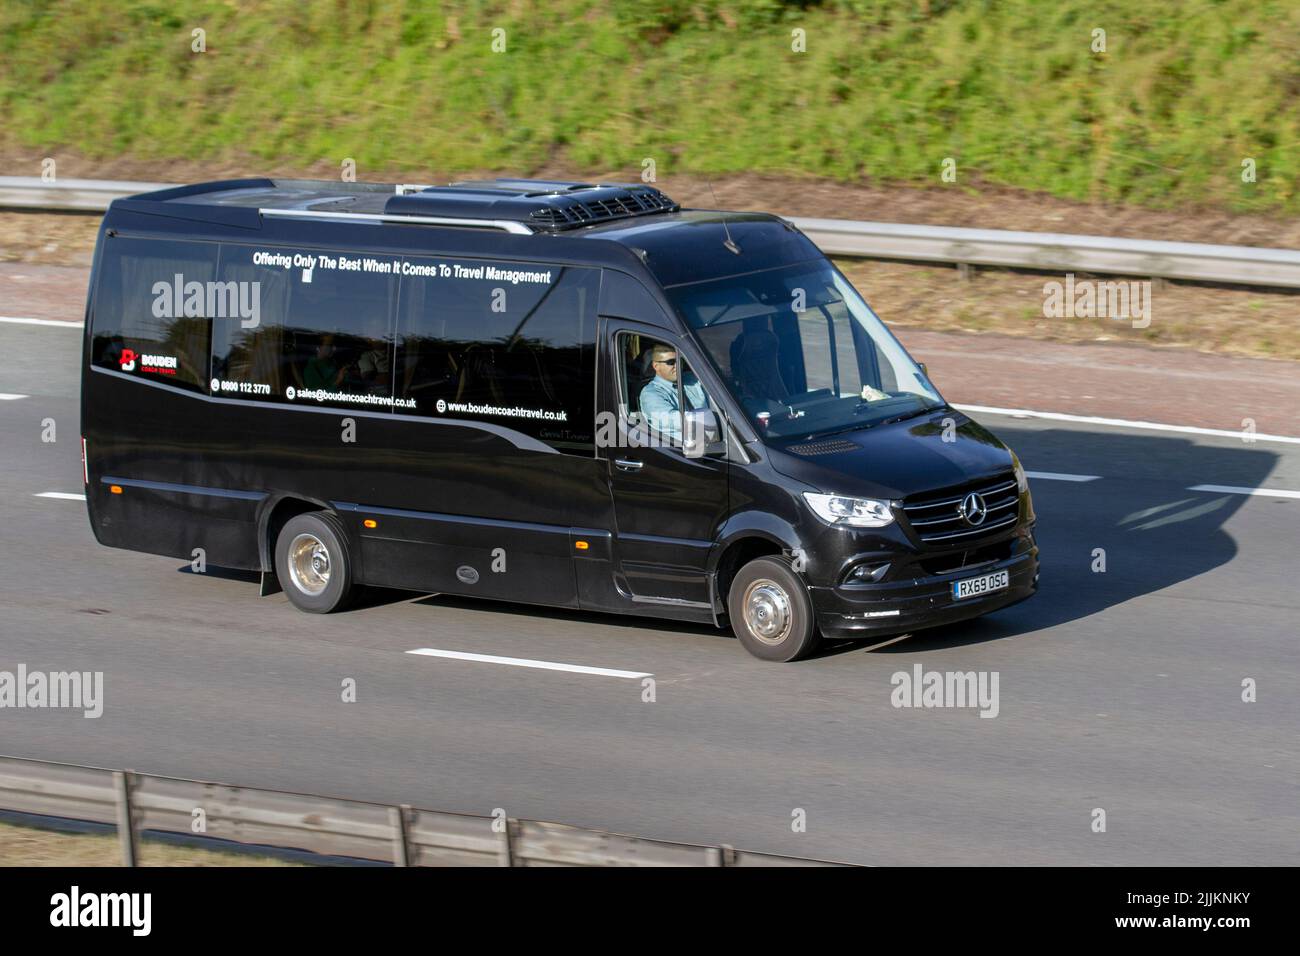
[
  {"x": 572, "y": 614},
  {"x": 225, "y": 574},
  {"x": 1139, "y": 521}
]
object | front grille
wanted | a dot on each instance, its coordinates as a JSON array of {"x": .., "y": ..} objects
[
  {"x": 971, "y": 558},
  {"x": 937, "y": 517}
]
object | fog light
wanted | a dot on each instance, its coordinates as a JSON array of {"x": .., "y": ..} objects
[{"x": 867, "y": 574}]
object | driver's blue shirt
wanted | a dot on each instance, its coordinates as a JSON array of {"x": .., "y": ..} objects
[{"x": 660, "y": 408}]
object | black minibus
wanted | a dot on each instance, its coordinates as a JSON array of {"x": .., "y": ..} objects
[{"x": 556, "y": 393}]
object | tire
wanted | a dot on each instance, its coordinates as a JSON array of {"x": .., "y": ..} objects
[
  {"x": 313, "y": 562},
  {"x": 779, "y": 625}
]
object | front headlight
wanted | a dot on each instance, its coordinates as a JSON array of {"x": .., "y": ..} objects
[
  {"x": 1022, "y": 482},
  {"x": 857, "y": 512}
]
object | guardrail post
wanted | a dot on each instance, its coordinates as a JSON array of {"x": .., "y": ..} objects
[
  {"x": 123, "y": 781},
  {"x": 399, "y": 817},
  {"x": 506, "y": 852},
  {"x": 723, "y": 855}
]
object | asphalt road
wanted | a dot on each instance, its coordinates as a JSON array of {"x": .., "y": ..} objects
[{"x": 1118, "y": 690}]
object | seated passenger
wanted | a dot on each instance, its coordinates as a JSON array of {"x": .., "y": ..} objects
[
  {"x": 374, "y": 369},
  {"x": 322, "y": 371},
  {"x": 373, "y": 364},
  {"x": 658, "y": 400}
]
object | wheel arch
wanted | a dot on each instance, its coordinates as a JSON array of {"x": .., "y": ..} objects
[
  {"x": 734, "y": 554},
  {"x": 275, "y": 512}
]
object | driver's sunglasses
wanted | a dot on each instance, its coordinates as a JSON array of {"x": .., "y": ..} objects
[{"x": 671, "y": 361}]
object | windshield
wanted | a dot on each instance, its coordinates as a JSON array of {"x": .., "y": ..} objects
[{"x": 804, "y": 355}]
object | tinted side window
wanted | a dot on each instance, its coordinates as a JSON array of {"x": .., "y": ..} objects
[
  {"x": 322, "y": 332},
  {"x": 657, "y": 386},
  {"x": 507, "y": 343},
  {"x": 152, "y": 309}
]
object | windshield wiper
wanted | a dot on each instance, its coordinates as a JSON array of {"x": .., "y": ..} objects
[
  {"x": 884, "y": 421},
  {"x": 836, "y": 431},
  {"x": 906, "y": 415}
]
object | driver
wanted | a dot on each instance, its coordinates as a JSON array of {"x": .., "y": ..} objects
[{"x": 659, "y": 396}]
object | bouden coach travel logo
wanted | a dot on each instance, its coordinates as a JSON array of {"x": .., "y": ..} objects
[{"x": 157, "y": 364}]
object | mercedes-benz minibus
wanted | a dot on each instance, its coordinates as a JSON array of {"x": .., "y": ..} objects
[{"x": 565, "y": 394}]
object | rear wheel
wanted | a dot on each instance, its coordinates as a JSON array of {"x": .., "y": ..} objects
[
  {"x": 313, "y": 563},
  {"x": 771, "y": 612}
]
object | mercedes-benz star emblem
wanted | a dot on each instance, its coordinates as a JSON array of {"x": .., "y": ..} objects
[{"x": 973, "y": 509}]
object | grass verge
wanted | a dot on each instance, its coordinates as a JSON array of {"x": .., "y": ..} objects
[
  {"x": 1163, "y": 105},
  {"x": 28, "y": 846}
]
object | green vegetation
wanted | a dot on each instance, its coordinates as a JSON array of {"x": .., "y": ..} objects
[{"x": 1010, "y": 89}]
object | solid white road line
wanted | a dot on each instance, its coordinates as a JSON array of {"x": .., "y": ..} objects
[
  {"x": 1125, "y": 423},
  {"x": 19, "y": 320},
  {"x": 60, "y": 494},
  {"x": 523, "y": 662},
  {"x": 1234, "y": 490},
  {"x": 1057, "y": 476},
  {"x": 8, "y": 397}
]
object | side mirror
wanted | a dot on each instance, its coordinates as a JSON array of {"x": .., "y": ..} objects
[
  {"x": 701, "y": 431},
  {"x": 924, "y": 371}
]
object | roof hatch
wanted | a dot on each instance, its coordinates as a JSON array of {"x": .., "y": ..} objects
[{"x": 542, "y": 205}]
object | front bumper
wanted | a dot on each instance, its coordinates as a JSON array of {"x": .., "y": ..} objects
[{"x": 851, "y": 611}]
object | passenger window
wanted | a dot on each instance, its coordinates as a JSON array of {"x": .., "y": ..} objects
[
  {"x": 153, "y": 309},
  {"x": 515, "y": 346},
  {"x": 658, "y": 393},
  {"x": 321, "y": 335}
]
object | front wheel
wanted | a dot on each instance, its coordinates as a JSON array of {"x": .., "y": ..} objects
[
  {"x": 771, "y": 612},
  {"x": 313, "y": 563}
]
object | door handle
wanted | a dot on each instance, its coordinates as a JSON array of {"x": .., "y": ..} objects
[{"x": 625, "y": 464}]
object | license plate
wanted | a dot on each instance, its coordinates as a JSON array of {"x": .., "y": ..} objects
[{"x": 975, "y": 587}]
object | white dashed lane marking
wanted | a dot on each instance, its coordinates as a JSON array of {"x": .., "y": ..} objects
[
  {"x": 55, "y": 323},
  {"x": 524, "y": 662},
  {"x": 1234, "y": 490},
  {"x": 1058, "y": 476}
]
